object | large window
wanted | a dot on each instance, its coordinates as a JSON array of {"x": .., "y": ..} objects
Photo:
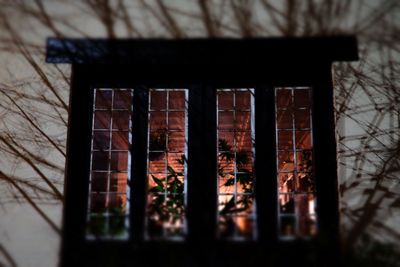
[{"x": 165, "y": 216}]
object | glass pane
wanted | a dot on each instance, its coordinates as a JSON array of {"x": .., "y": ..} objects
[
  {"x": 158, "y": 140},
  {"x": 176, "y": 141},
  {"x": 225, "y": 120},
  {"x": 226, "y": 183},
  {"x": 285, "y": 161},
  {"x": 302, "y": 97},
  {"x": 99, "y": 182},
  {"x": 284, "y": 119},
  {"x": 235, "y": 164},
  {"x": 242, "y": 100},
  {"x": 121, "y": 120},
  {"x": 286, "y": 204},
  {"x": 283, "y": 98},
  {"x": 120, "y": 140},
  {"x": 117, "y": 204},
  {"x": 165, "y": 212},
  {"x": 243, "y": 122},
  {"x": 158, "y": 100},
  {"x": 285, "y": 140},
  {"x": 102, "y": 119},
  {"x": 303, "y": 140},
  {"x": 286, "y": 182},
  {"x": 244, "y": 141},
  {"x": 119, "y": 161},
  {"x": 225, "y": 100},
  {"x": 158, "y": 121},
  {"x": 101, "y": 140},
  {"x": 304, "y": 161},
  {"x": 157, "y": 162},
  {"x": 103, "y": 99},
  {"x": 122, "y": 99},
  {"x": 100, "y": 160},
  {"x": 177, "y": 100},
  {"x": 98, "y": 203},
  {"x": 118, "y": 182},
  {"x": 302, "y": 119},
  {"x": 176, "y": 120}
]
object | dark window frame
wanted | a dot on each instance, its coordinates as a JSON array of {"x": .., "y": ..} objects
[{"x": 165, "y": 72}]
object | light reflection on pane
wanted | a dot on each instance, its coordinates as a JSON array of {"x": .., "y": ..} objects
[
  {"x": 110, "y": 166},
  {"x": 102, "y": 120},
  {"x": 121, "y": 120},
  {"x": 236, "y": 207},
  {"x": 165, "y": 213},
  {"x": 284, "y": 119},
  {"x": 120, "y": 140},
  {"x": 296, "y": 191}
]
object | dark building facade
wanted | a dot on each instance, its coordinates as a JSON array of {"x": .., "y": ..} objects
[{"x": 201, "y": 152}]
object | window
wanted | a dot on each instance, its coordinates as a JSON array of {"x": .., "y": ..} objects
[
  {"x": 166, "y": 167},
  {"x": 110, "y": 164},
  {"x": 235, "y": 134},
  {"x": 296, "y": 188}
]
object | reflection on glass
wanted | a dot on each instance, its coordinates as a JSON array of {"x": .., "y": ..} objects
[
  {"x": 236, "y": 204},
  {"x": 110, "y": 167},
  {"x": 167, "y": 146},
  {"x": 296, "y": 194}
]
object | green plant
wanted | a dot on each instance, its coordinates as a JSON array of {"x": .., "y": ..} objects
[
  {"x": 171, "y": 208},
  {"x": 244, "y": 177}
]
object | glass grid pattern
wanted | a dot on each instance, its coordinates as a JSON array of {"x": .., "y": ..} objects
[
  {"x": 108, "y": 204},
  {"x": 167, "y": 164},
  {"x": 296, "y": 190},
  {"x": 236, "y": 217}
]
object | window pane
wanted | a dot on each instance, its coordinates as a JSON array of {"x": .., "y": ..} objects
[
  {"x": 284, "y": 119},
  {"x": 101, "y": 140},
  {"x": 165, "y": 212},
  {"x": 103, "y": 99},
  {"x": 122, "y": 99},
  {"x": 109, "y": 190},
  {"x": 176, "y": 100},
  {"x": 102, "y": 119},
  {"x": 158, "y": 100},
  {"x": 235, "y": 135},
  {"x": 120, "y": 140},
  {"x": 121, "y": 120},
  {"x": 295, "y": 163}
]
